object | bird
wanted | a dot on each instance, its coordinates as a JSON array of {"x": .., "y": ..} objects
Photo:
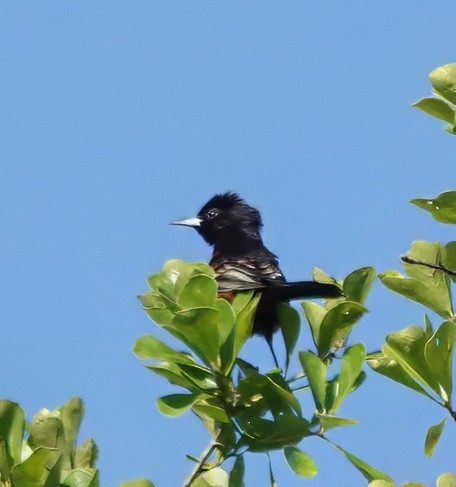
[{"x": 241, "y": 261}]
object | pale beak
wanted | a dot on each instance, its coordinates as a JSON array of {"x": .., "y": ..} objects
[{"x": 188, "y": 222}]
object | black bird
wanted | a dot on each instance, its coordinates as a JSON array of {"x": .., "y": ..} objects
[{"x": 241, "y": 261}]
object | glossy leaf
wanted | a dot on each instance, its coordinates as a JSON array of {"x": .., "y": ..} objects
[
  {"x": 82, "y": 478},
  {"x": 137, "y": 483},
  {"x": 34, "y": 471},
  {"x": 350, "y": 369},
  {"x": 46, "y": 430},
  {"x": 315, "y": 371},
  {"x": 382, "y": 363},
  {"x": 244, "y": 307},
  {"x": 438, "y": 352},
  {"x": 367, "y": 471},
  {"x": 437, "y": 108},
  {"x": 290, "y": 327},
  {"x": 442, "y": 207},
  {"x": 336, "y": 325},
  {"x": 321, "y": 276},
  {"x": 175, "y": 404},
  {"x": 328, "y": 422},
  {"x": 300, "y": 462},
  {"x": 237, "y": 473},
  {"x": 385, "y": 483},
  {"x": 446, "y": 480},
  {"x": 443, "y": 80},
  {"x": 432, "y": 437},
  {"x": 215, "y": 412},
  {"x": 177, "y": 376},
  {"x": 71, "y": 414},
  {"x": 432, "y": 293},
  {"x": 4, "y": 465},
  {"x": 448, "y": 259},
  {"x": 12, "y": 420},
  {"x": 200, "y": 290},
  {"x": 264, "y": 434},
  {"x": 86, "y": 454},
  {"x": 426, "y": 359},
  {"x": 357, "y": 284},
  {"x": 215, "y": 477},
  {"x": 281, "y": 388},
  {"x": 150, "y": 347},
  {"x": 314, "y": 314}
]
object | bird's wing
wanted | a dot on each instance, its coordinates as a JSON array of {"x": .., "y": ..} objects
[
  {"x": 243, "y": 275},
  {"x": 233, "y": 277}
]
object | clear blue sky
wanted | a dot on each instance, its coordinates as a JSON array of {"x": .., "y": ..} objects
[{"x": 118, "y": 117}]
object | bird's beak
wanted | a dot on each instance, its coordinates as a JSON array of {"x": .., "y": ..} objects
[{"x": 188, "y": 222}]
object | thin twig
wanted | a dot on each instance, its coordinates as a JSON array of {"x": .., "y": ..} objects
[{"x": 199, "y": 467}]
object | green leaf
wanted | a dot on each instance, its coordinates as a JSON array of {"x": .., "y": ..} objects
[
  {"x": 137, "y": 483},
  {"x": 300, "y": 462},
  {"x": 198, "y": 329},
  {"x": 281, "y": 388},
  {"x": 264, "y": 434},
  {"x": 438, "y": 352},
  {"x": 367, "y": 471},
  {"x": 200, "y": 291},
  {"x": 314, "y": 314},
  {"x": 328, "y": 422},
  {"x": 175, "y": 374},
  {"x": 175, "y": 404},
  {"x": 71, "y": 414},
  {"x": 357, "y": 284},
  {"x": 425, "y": 359},
  {"x": 4, "y": 466},
  {"x": 350, "y": 369},
  {"x": 244, "y": 307},
  {"x": 336, "y": 325},
  {"x": 443, "y": 80},
  {"x": 426, "y": 285},
  {"x": 432, "y": 437},
  {"x": 446, "y": 480},
  {"x": 448, "y": 259},
  {"x": 442, "y": 207},
  {"x": 384, "y": 483},
  {"x": 437, "y": 108},
  {"x": 80, "y": 477},
  {"x": 215, "y": 477},
  {"x": 34, "y": 471},
  {"x": 315, "y": 371},
  {"x": 321, "y": 276},
  {"x": 46, "y": 430},
  {"x": 237, "y": 473},
  {"x": 290, "y": 327},
  {"x": 382, "y": 363},
  {"x": 12, "y": 420},
  {"x": 213, "y": 412},
  {"x": 86, "y": 454},
  {"x": 150, "y": 347}
]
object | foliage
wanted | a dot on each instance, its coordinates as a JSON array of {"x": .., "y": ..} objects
[
  {"x": 48, "y": 456},
  {"x": 443, "y": 104},
  {"x": 243, "y": 409},
  {"x": 421, "y": 358}
]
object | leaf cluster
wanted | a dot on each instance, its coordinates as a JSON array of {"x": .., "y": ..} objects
[{"x": 243, "y": 409}]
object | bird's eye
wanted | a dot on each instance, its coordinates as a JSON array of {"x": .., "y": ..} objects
[{"x": 212, "y": 214}]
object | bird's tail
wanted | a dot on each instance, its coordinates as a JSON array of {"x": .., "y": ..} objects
[{"x": 306, "y": 289}]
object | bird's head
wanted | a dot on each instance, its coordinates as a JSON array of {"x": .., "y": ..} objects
[{"x": 226, "y": 219}]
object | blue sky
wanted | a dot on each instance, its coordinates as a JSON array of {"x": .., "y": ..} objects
[{"x": 119, "y": 117}]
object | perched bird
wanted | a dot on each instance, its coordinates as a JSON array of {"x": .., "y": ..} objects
[{"x": 241, "y": 261}]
